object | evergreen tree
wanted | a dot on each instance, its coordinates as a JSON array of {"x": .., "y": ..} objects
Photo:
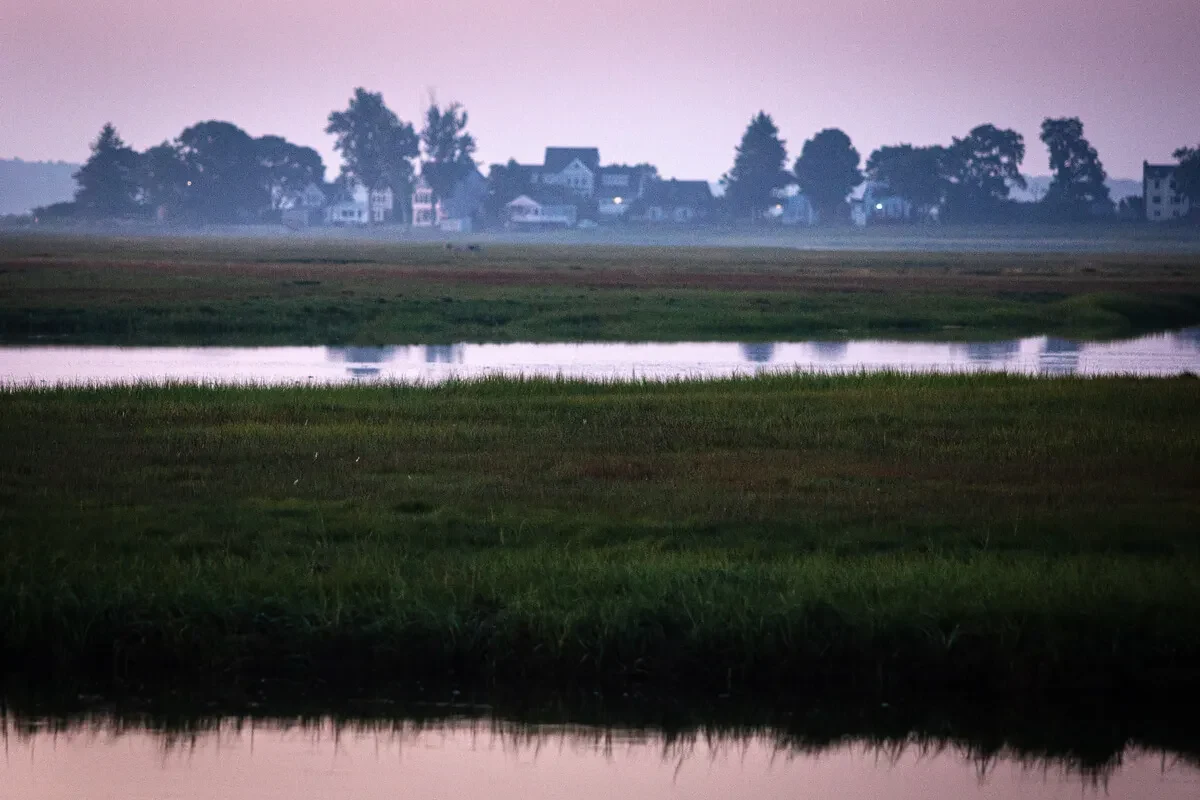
[
  {"x": 758, "y": 169},
  {"x": 108, "y": 184}
]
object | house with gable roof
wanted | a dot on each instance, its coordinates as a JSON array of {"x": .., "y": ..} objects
[{"x": 1164, "y": 201}]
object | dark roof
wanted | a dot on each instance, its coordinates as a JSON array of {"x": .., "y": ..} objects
[
  {"x": 1159, "y": 171},
  {"x": 676, "y": 194},
  {"x": 559, "y": 158}
]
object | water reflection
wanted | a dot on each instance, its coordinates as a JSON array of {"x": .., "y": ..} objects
[
  {"x": 318, "y": 758},
  {"x": 830, "y": 351},
  {"x": 444, "y": 353},
  {"x": 758, "y": 352},
  {"x": 1154, "y": 355}
]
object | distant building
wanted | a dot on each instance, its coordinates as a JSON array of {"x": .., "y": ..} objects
[
  {"x": 455, "y": 213},
  {"x": 541, "y": 209},
  {"x": 619, "y": 188},
  {"x": 1161, "y": 191},
  {"x": 357, "y": 206},
  {"x": 880, "y": 204},
  {"x": 793, "y": 207},
  {"x": 573, "y": 168},
  {"x": 677, "y": 201}
]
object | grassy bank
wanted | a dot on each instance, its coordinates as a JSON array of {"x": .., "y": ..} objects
[
  {"x": 322, "y": 291},
  {"x": 996, "y": 535}
]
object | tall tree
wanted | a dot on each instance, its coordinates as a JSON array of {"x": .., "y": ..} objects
[
  {"x": 108, "y": 181},
  {"x": 1187, "y": 176},
  {"x": 448, "y": 149},
  {"x": 163, "y": 178},
  {"x": 376, "y": 146},
  {"x": 827, "y": 171},
  {"x": 1078, "y": 185},
  {"x": 914, "y": 173},
  {"x": 758, "y": 169},
  {"x": 225, "y": 173},
  {"x": 287, "y": 167},
  {"x": 981, "y": 169}
]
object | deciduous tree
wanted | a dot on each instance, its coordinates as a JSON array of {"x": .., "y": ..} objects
[
  {"x": 827, "y": 172},
  {"x": 1078, "y": 186},
  {"x": 980, "y": 171},
  {"x": 227, "y": 183},
  {"x": 914, "y": 173},
  {"x": 287, "y": 167},
  {"x": 1187, "y": 176},
  {"x": 448, "y": 149},
  {"x": 376, "y": 146}
]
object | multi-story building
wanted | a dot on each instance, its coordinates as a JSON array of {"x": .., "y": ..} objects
[{"x": 1164, "y": 201}]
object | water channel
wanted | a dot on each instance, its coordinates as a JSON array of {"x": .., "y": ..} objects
[
  {"x": 269, "y": 760},
  {"x": 1161, "y": 354}
]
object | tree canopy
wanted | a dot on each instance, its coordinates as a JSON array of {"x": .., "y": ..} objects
[
  {"x": 227, "y": 178},
  {"x": 758, "y": 169},
  {"x": 1187, "y": 176},
  {"x": 448, "y": 149},
  {"x": 1078, "y": 186},
  {"x": 108, "y": 181},
  {"x": 914, "y": 173},
  {"x": 375, "y": 144},
  {"x": 827, "y": 171},
  {"x": 981, "y": 169},
  {"x": 287, "y": 167}
]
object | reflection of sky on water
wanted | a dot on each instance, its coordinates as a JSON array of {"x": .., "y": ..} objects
[
  {"x": 263, "y": 760},
  {"x": 1158, "y": 354}
]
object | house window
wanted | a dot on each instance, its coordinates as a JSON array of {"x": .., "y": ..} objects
[
  {"x": 1157, "y": 198},
  {"x": 1172, "y": 184},
  {"x": 1158, "y": 184},
  {"x": 1158, "y": 213}
]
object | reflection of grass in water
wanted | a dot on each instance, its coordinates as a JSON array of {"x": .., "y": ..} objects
[
  {"x": 888, "y": 535},
  {"x": 1093, "y": 755},
  {"x": 201, "y": 291}
]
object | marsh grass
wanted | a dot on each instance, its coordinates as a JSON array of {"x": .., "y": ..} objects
[
  {"x": 989, "y": 534},
  {"x": 220, "y": 291}
]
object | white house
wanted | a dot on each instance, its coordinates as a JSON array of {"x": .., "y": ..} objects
[
  {"x": 454, "y": 213},
  {"x": 357, "y": 206},
  {"x": 526, "y": 212},
  {"x": 573, "y": 168},
  {"x": 1161, "y": 191}
]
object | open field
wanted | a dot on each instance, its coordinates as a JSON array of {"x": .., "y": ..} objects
[
  {"x": 260, "y": 290},
  {"x": 1000, "y": 536}
]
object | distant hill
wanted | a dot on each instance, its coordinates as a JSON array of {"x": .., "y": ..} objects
[
  {"x": 26, "y": 185},
  {"x": 1038, "y": 184}
]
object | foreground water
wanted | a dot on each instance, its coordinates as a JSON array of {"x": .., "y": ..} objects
[
  {"x": 1162, "y": 354},
  {"x": 231, "y": 760}
]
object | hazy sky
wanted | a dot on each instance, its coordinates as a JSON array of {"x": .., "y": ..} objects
[{"x": 667, "y": 81}]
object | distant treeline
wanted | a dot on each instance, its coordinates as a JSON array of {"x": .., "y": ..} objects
[{"x": 215, "y": 172}]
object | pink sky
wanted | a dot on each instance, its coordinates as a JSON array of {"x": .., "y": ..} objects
[{"x": 665, "y": 81}]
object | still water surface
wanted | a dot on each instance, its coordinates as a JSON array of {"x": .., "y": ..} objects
[
  {"x": 467, "y": 760},
  {"x": 1160, "y": 354}
]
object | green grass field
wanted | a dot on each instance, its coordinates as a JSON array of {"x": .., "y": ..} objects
[
  {"x": 111, "y": 290},
  {"x": 1002, "y": 536}
]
